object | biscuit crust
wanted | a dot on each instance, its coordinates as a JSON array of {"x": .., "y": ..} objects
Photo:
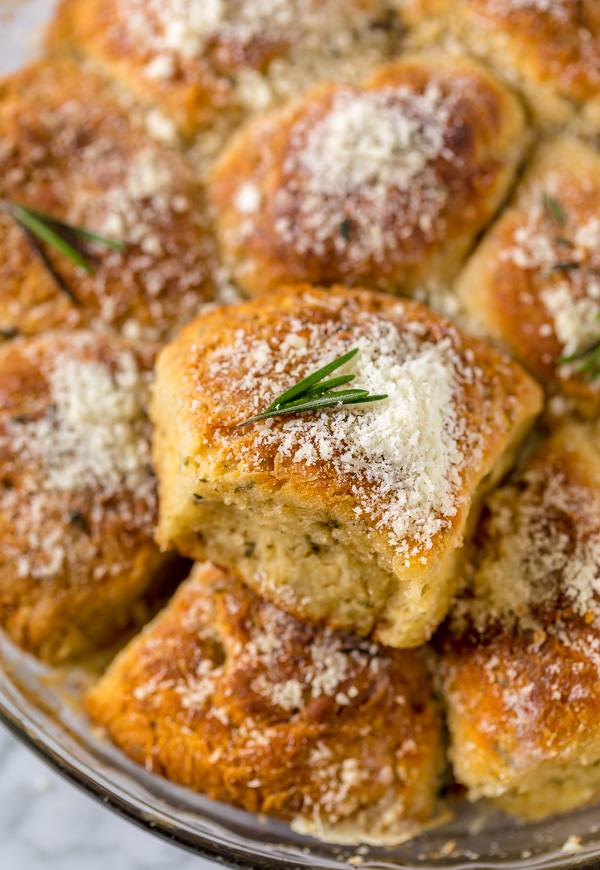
[
  {"x": 519, "y": 655},
  {"x": 550, "y": 50},
  {"x": 77, "y": 492},
  {"x": 351, "y": 517},
  {"x": 227, "y": 695},
  {"x": 384, "y": 185},
  {"x": 197, "y": 64},
  {"x": 533, "y": 283},
  {"x": 69, "y": 149}
]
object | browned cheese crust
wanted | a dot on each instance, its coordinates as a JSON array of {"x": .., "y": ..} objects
[
  {"x": 521, "y": 652},
  {"x": 350, "y": 517},
  {"x": 384, "y": 185},
  {"x": 77, "y": 492},
  {"x": 69, "y": 149},
  {"x": 533, "y": 283},
  {"x": 548, "y": 48},
  {"x": 198, "y": 61},
  {"x": 227, "y": 695}
]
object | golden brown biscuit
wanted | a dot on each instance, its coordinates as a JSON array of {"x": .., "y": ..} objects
[
  {"x": 68, "y": 149},
  {"x": 549, "y": 48},
  {"x": 533, "y": 284},
  {"x": 385, "y": 185},
  {"x": 227, "y": 695},
  {"x": 77, "y": 491},
  {"x": 520, "y": 654},
  {"x": 198, "y": 59},
  {"x": 350, "y": 517}
]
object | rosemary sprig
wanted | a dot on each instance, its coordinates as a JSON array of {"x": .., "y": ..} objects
[
  {"x": 313, "y": 393},
  {"x": 590, "y": 356},
  {"x": 554, "y": 209},
  {"x": 41, "y": 230}
]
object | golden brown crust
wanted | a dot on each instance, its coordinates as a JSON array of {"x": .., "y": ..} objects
[
  {"x": 226, "y": 695},
  {"x": 551, "y": 50},
  {"x": 69, "y": 149},
  {"x": 533, "y": 283},
  {"x": 193, "y": 94},
  {"x": 384, "y": 185},
  {"x": 77, "y": 492},
  {"x": 520, "y": 657},
  {"x": 399, "y": 505},
  {"x": 197, "y": 64}
]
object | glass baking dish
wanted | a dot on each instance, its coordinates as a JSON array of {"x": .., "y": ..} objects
[{"x": 41, "y": 708}]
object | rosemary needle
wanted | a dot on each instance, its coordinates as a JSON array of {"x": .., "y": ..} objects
[
  {"x": 82, "y": 233},
  {"x": 41, "y": 230},
  {"x": 554, "y": 209},
  {"x": 302, "y": 386},
  {"x": 313, "y": 393},
  {"x": 590, "y": 357},
  {"x": 44, "y": 232},
  {"x": 38, "y": 249}
]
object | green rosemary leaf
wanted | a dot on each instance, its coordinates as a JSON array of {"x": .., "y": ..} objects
[
  {"x": 106, "y": 241},
  {"x": 369, "y": 398},
  {"x": 337, "y": 395},
  {"x": 555, "y": 209},
  {"x": 590, "y": 351},
  {"x": 590, "y": 356},
  {"x": 565, "y": 267},
  {"x": 313, "y": 393},
  {"x": 302, "y": 386},
  {"x": 560, "y": 240},
  {"x": 331, "y": 400},
  {"x": 39, "y": 251},
  {"x": 42, "y": 229},
  {"x": 325, "y": 386},
  {"x": 8, "y": 333},
  {"x": 45, "y": 233}
]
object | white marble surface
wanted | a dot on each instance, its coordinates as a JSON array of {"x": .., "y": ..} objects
[{"x": 47, "y": 824}]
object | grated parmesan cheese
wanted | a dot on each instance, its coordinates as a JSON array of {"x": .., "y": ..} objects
[
  {"x": 575, "y": 321},
  {"x": 264, "y": 50},
  {"x": 369, "y": 161},
  {"x": 402, "y": 457},
  {"x": 96, "y": 433},
  {"x": 542, "y": 552},
  {"x": 188, "y": 27},
  {"x": 77, "y": 462},
  {"x": 571, "y": 297}
]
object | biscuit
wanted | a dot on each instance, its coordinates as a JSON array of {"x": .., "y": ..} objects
[
  {"x": 227, "y": 695},
  {"x": 519, "y": 656},
  {"x": 198, "y": 61},
  {"x": 351, "y": 516},
  {"x": 77, "y": 491},
  {"x": 385, "y": 185},
  {"x": 549, "y": 49},
  {"x": 533, "y": 284},
  {"x": 69, "y": 149}
]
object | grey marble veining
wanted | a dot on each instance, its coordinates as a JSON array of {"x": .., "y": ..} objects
[{"x": 47, "y": 824}]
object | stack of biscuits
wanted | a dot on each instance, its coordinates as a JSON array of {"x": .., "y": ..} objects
[{"x": 380, "y": 590}]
